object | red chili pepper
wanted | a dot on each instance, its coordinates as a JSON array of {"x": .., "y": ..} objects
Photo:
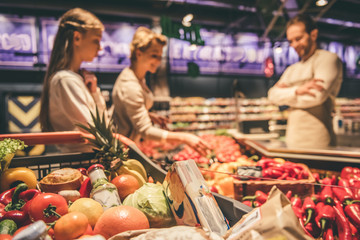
[
  {"x": 341, "y": 194},
  {"x": 325, "y": 217},
  {"x": 85, "y": 188},
  {"x": 5, "y": 197},
  {"x": 342, "y": 223},
  {"x": 308, "y": 208},
  {"x": 327, "y": 195},
  {"x": 355, "y": 185},
  {"x": 298, "y": 212},
  {"x": 247, "y": 203},
  {"x": 316, "y": 176},
  {"x": 328, "y": 234},
  {"x": 350, "y": 172},
  {"x": 296, "y": 201},
  {"x": 255, "y": 204},
  {"x": 283, "y": 176},
  {"x": 264, "y": 163},
  {"x": 315, "y": 198},
  {"x": 304, "y": 227},
  {"x": 312, "y": 228},
  {"x": 352, "y": 211},
  {"x": 271, "y": 173},
  {"x": 289, "y": 194},
  {"x": 259, "y": 196},
  {"x": 354, "y": 230}
]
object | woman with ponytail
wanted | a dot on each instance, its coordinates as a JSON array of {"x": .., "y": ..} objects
[{"x": 69, "y": 92}]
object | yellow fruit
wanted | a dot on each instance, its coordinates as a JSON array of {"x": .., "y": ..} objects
[
  {"x": 125, "y": 170},
  {"x": 134, "y": 164},
  {"x": 88, "y": 206},
  {"x": 13, "y": 175}
]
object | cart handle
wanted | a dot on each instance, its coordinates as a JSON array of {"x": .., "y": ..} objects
[{"x": 59, "y": 137}]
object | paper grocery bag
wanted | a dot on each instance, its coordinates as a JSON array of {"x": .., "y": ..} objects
[{"x": 275, "y": 219}]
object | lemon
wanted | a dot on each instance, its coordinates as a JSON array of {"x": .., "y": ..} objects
[{"x": 88, "y": 206}]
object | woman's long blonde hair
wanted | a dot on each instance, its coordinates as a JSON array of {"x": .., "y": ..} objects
[
  {"x": 142, "y": 40},
  {"x": 76, "y": 19}
]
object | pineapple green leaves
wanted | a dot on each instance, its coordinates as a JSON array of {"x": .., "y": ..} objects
[{"x": 107, "y": 147}]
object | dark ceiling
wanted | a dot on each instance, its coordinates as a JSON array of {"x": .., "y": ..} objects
[{"x": 339, "y": 20}]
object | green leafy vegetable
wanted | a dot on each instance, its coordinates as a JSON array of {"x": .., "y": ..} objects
[
  {"x": 150, "y": 199},
  {"x": 8, "y": 148}
]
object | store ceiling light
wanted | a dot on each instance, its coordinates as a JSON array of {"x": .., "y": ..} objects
[
  {"x": 187, "y": 20},
  {"x": 321, "y": 3},
  {"x": 192, "y": 47}
]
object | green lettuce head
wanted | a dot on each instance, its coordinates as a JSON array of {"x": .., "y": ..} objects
[{"x": 150, "y": 199}]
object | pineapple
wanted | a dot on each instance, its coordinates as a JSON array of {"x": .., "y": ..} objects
[{"x": 109, "y": 151}]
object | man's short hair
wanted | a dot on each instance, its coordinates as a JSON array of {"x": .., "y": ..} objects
[{"x": 305, "y": 19}]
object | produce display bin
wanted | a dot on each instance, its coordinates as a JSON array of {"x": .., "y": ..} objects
[
  {"x": 244, "y": 188},
  {"x": 42, "y": 165}
]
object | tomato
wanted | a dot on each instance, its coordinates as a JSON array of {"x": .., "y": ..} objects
[
  {"x": 50, "y": 203},
  {"x": 5, "y": 237},
  {"x": 71, "y": 226}
]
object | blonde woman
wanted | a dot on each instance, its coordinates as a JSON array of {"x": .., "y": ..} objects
[
  {"x": 132, "y": 98},
  {"x": 68, "y": 91}
]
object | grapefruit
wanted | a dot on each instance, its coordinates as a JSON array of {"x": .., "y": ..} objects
[
  {"x": 120, "y": 219},
  {"x": 125, "y": 184},
  {"x": 88, "y": 206}
]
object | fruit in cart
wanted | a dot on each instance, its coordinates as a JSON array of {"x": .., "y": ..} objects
[
  {"x": 61, "y": 179},
  {"x": 88, "y": 206},
  {"x": 120, "y": 219},
  {"x": 134, "y": 164},
  {"x": 125, "y": 184},
  {"x": 107, "y": 147},
  {"x": 125, "y": 170},
  {"x": 13, "y": 176},
  {"x": 70, "y": 226}
]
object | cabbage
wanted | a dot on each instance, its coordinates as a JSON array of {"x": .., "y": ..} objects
[{"x": 150, "y": 199}]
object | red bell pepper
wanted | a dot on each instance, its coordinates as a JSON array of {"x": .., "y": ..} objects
[
  {"x": 259, "y": 196},
  {"x": 309, "y": 209},
  {"x": 312, "y": 228},
  {"x": 327, "y": 195},
  {"x": 350, "y": 172},
  {"x": 29, "y": 194},
  {"x": 352, "y": 211},
  {"x": 325, "y": 217},
  {"x": 296, "y": 201},
  {"x": 5, "y": 197},
  {"x": 13, "y": 209},
  {"x": 329, "y": 181},
  {"x": 343, "y": 227}
]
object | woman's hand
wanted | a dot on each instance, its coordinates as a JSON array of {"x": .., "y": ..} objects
[
  {"x": 90, "y": 80},
  {"x": 160, "y": 120},
  {"x": 197, "y": 144}
]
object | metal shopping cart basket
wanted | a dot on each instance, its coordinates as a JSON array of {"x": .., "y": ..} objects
[{"x": 233, "y": 210}]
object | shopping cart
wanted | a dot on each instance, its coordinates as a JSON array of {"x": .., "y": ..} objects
[{"x": 233, "y": 210}]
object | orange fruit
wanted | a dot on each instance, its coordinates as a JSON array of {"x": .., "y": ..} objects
[
  {"x": 70, "y": 226},
  {"x": 88, "y": 206},
  {"x": 120, "y": 219},
  {"x": 125, "y": 184}
]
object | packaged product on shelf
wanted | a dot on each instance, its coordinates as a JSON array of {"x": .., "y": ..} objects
[{"x": 190, "y": 199}]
